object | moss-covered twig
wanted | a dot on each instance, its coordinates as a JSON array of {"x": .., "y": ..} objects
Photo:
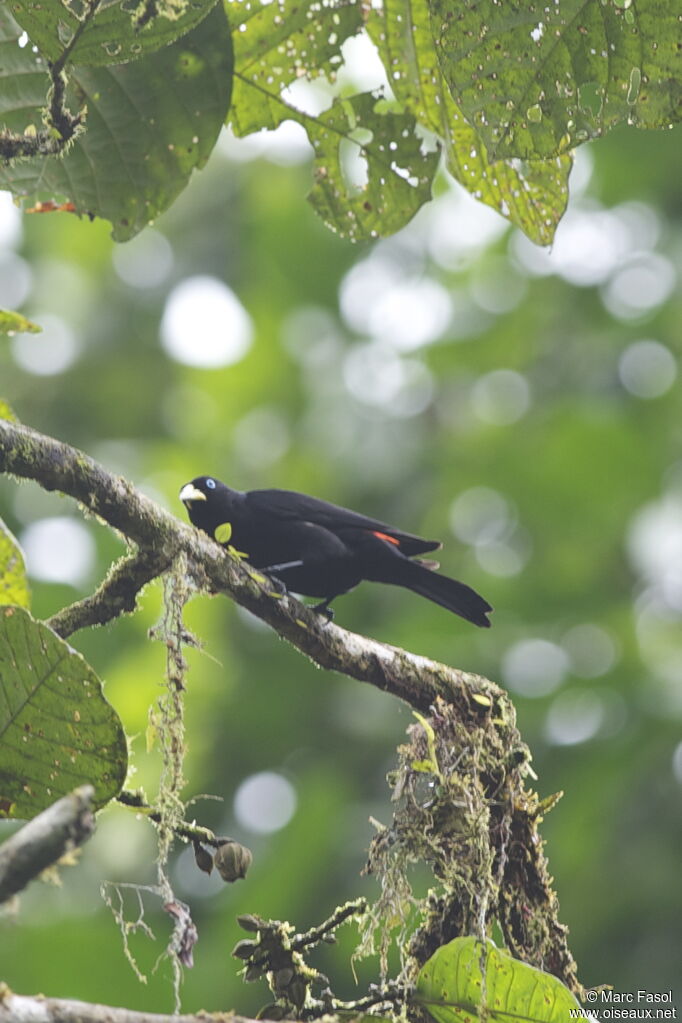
[
  {"x": 116, "y": 596},
  {"x": 184, "y": 830}
]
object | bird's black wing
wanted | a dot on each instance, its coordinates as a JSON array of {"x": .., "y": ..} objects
[{"x": 290, "y": 505}]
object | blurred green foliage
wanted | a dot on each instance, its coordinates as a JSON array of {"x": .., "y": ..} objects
[{"x": 520, "y": 418}]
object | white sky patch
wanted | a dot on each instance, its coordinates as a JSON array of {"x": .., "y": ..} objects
[
  {"x": 287, "y": 145},
  {"x": 58, "y": 549},
  {"x": 10, "y": 221},
  {"x": 265, "y": 802},
  {"x": 16, "y": 281},
  {"x": 204, "y": 324}
]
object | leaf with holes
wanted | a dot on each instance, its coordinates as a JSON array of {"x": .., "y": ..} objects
[
  {"x": 536, "y": 79},
  {"x": 14, "y": 323},
  {"x": 465, "y": 981},
  {"x": 398, "y": 173},
  {"x": 57, "y": 730},
  {"x": 149, "y": 124},
  {"x": 275, "y": 44},
  {"x": 101, "y": 34},
  {"x": 13, "y": 582},
  {"x": 533, "y": 195}
]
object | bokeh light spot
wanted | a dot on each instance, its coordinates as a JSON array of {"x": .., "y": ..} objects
[
  {"x": 265, "y": 802},
  {"x": 52, "y": 351},
  {"x": 501, "y": 397},
  {"x": 534, "y": 667},
  {"x": 574, "y": 718},
  {"x": 144, "y": 262},
  {"x": 58, "y": 549},
  {"x": 647, "y": 369},
  {"x": 591, "y": 650},
  {"x": 204, "y": 324}
]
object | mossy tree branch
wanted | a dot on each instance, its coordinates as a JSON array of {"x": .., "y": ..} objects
[{"x": 469, "y": 741}]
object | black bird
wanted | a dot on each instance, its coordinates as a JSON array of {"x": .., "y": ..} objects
[{"x": 322, "y": 550}]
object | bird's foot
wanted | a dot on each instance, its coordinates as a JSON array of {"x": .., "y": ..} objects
[{"x": 323, "y": 609}]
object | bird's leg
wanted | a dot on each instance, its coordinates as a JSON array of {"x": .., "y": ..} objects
[{"x": 324, "y": 609}]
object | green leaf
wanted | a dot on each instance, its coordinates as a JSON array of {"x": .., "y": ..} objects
[
  {"x": 105, "y": 34},
  {"x": 149, "y": 124},
  {"x": 536, "y": 79},
  {"x": 223, "y": 532},
  {"x": 277, "y": 43},
  {"x": 399, "y": 173},
  {"x": 57, "y": 730},
  {"x": 15, "y": 323},
  {"x": 13, "y": 582},
  {"x": 532, "y": 195},
  {"x": 6, "y": 412},
  {"x": 451, "y": 987}
]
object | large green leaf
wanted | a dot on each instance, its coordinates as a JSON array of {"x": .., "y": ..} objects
[
  {"x": 149, "y": 124},
  {"x": 466, "y": 981},
  {"x": 57, "y": 730},
  {"x": 105, "y": 33},
  {"x": 533, "y": 195},
  {"x": 277, "y": 43},
  {"x": 535, "y": 79},
  {"x": 13, "y": 582}
]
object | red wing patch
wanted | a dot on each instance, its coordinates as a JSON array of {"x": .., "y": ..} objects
[{"x": 385, "y": 536}]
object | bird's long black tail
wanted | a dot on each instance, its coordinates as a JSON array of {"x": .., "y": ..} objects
[{"x": 449, "y": 593}]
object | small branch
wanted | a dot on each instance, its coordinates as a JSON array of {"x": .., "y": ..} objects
[
  {"x": 67, "y": 823},
  {"x": 38, "y": 1009},
  {"x": 116, "y": 596},
  {"x": 190, "y": 832},
  {"x": 317, "y": 934}
]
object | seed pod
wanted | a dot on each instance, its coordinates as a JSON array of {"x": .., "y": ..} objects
[
  {"x": 296, "y": 991},
  {"x": 232, "y": 861},
  {"x": 282, "y": 979},
  {"x": 253, "y": 972},
  {"x": 203, "y": 858},
  {"x": 244, "y": 949},
  {"x": 248, "y": 922}
]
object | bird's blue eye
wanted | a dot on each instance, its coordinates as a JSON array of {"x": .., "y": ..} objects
[{"x": 210, "y": 484}]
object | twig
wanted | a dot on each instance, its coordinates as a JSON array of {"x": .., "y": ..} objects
[
  {"x": 316, "y": 934},
  {"x": 67, "y": 823},
  {"x": 190, "y": 832},
  {"x": 116, "y": 596}
]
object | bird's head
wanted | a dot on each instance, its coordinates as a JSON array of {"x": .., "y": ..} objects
[{"x": 207, "y": 501}]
